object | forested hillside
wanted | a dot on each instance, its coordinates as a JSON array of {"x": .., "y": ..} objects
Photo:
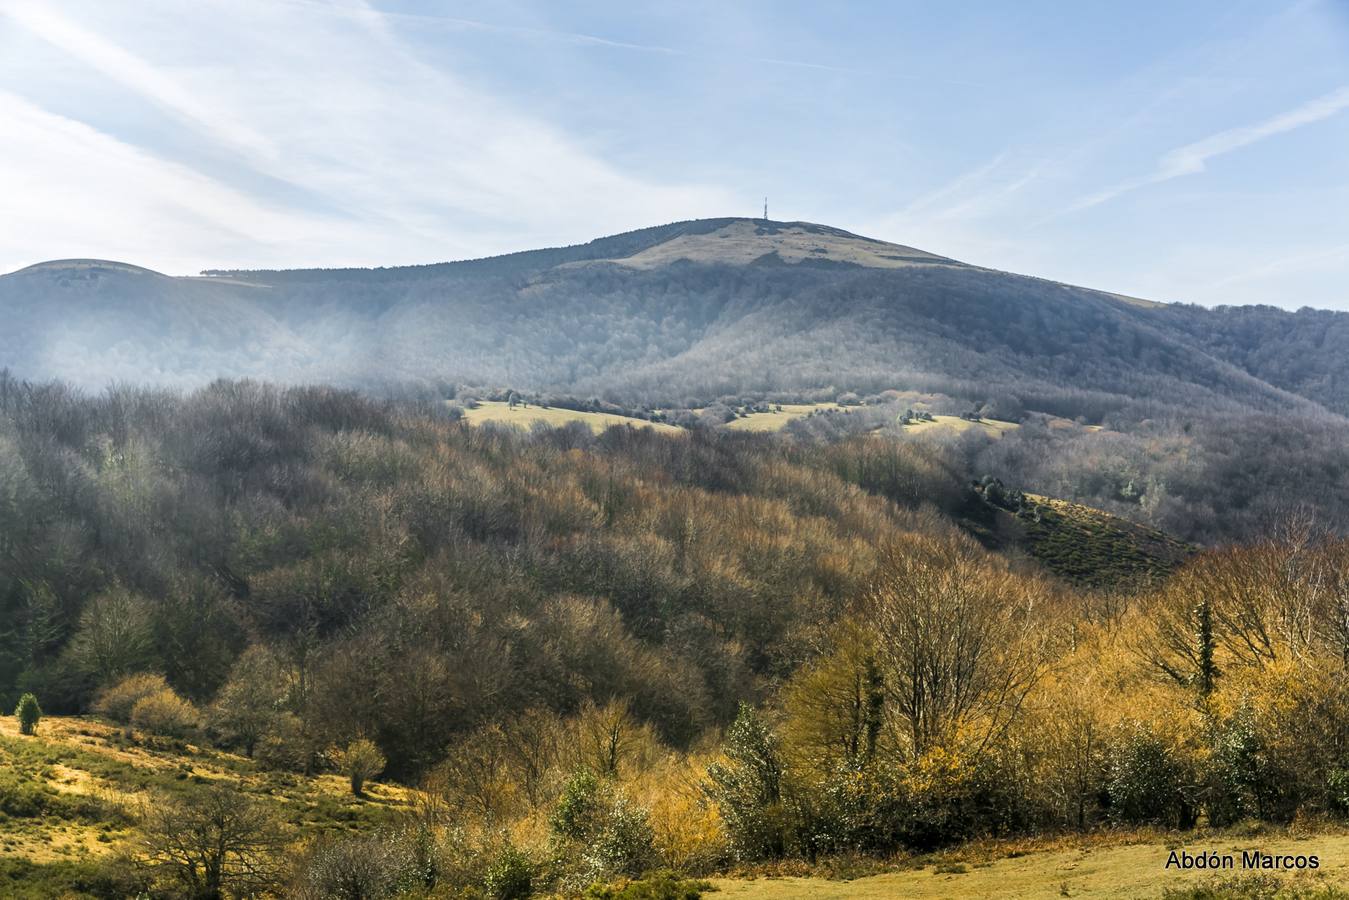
[
  {"x": 460, "y": 573},
  {"x": 596, "y": 655},
  {"x": 677, "y": 315}
]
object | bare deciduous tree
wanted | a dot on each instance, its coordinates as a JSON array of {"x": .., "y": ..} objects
[
  {"x": 957, "y": 639},
  {"x": 213, "y": 843}
]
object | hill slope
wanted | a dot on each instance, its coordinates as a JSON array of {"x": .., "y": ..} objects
[
  {"x": 1080, "y": 544},
  {"x": 689, "y": 310},
  {"x": 73, "y": 795}
]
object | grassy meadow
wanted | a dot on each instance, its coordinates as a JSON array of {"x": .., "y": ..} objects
[
  {"x": 72, "y": 797},
  {"x": 779, "y": 417},
  {"x": 991, "y": 427},
  {"x": 1129, "y": 868},
  {"x": 501, "y": 412}
]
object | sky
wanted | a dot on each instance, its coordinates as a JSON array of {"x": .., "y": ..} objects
[{"x": 1194, "y": 152}]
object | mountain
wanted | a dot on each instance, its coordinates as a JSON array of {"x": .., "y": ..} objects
[{"x": 678, "y": 313}]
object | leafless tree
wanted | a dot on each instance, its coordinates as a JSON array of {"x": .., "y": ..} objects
[
  {"x": 211, "y": 843},
  {"x": 957, "y": 639}
]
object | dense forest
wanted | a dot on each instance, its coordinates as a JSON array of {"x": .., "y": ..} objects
[
  {"x": 1206, "y": 476},
  {"x": 595, "y": 656}
]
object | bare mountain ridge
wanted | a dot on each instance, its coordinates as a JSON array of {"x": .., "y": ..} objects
[
  {"x": 687, "y": 310},
  {"x": 723, "y": 240}
]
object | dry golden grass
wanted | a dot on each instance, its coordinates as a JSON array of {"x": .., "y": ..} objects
[
  {"x": 526, "y": 416},
  {"x": 1085, "y": 868},
  {"x": 776, "y": 421},
  {"x": 1059, "y": 424},
  {"x": 990, "y": 427},
  {"x": 91, "y": 760}
]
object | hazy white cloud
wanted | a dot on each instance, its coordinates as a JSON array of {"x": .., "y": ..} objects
[
  {"x": 65, "y": 184},
  {"x": 337, "y": 148},
  {"x": 1193, "y": 158},
  {"x": 43, "y": 20}
]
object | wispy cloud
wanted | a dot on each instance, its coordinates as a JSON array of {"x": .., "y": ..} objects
[
  {"x": 1193, "y": 158},
  {"x": 956, "y": 187},
  {"x": 1321, "y": 259},
  {"x": 572, "y": 37},
  {"x": 65, "y": 184},
  {"x": 974, "y": 194},
  {"x": 549, "y": 34},
  {"x": 387, "y": 160},
  {"x": 134, "y": 73}
]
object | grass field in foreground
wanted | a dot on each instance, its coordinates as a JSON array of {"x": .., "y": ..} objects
[
  {"x": 74, "y": 792},
  {"x": 526, "y": 416},
  {"x": 1114, "y": 872}
]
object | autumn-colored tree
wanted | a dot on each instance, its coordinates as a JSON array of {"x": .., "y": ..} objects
[
  {"x": 835, "y": 705},
  {"x": 959, "y": 640},
  {"x": 360, "y": 761}
]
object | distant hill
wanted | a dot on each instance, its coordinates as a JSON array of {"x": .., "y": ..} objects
[{"x": 680, "y": 312}]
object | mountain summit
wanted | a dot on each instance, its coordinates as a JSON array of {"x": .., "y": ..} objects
[
  {"x": 689, "y": 311},
  {"x": 728, "y": 241},
  {"x": 759, "y": 241}
]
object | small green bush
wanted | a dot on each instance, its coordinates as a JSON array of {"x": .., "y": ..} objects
[
  {"x": 610, "y": 834},
  {"x": 1337, "y": 790},
  {"x": 28, "y": 713},
  {"x": 1243, "y": 778},
  {"x": 510, "y": 876},
  {"x": 577, "y": 807},
  {"x": 748, "y": 789},
  {"x": 1148, "y": 783}
]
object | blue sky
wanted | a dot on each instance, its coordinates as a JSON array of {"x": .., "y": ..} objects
[{"x": 1193, "y": 151}]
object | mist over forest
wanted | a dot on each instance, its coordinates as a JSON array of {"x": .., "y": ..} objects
[
  {"x": 642, "y": 318},
  {"x": 1216, "y": 421}
]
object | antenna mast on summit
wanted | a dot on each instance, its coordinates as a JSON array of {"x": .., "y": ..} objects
[{"x": 765, "y": 209}]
